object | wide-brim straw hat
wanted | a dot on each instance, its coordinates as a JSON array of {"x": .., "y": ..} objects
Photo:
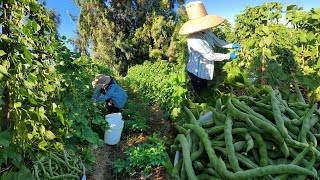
[
  {"x": 199, "y": 19},
  {"x": 101, "y": 80}
]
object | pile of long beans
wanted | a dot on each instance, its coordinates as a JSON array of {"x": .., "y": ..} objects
[
  {"x": 261, "y": 136},
  {"x": 58, "y": 165}
]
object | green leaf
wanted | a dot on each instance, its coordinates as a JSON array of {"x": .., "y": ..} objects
[
  {"x": 30, "y": 136},
  {"x": 42, "y": 145},
  {"x": 5, "y": 138},
  {"x": 4, "y": 154},
  {"x": 3, "y": 70},
  {"x": 51, "y": 69},
  {"x": 268, "y": 53},
  {"x": 265, "y": 29},
  {"x": 29, "y": 84},
  {"x": 291, "y": 7},
  {"x": 23, "y": 173},
  {"x": 32, "y": 78},
  {"x": 32, "y": 100},
  {"x": 2, "y": 53},
  {"x": 60, "y": 115},
  {"x": 49, "y": 88},
  {"x": 4, "y": 37},
  {"x": 318, "y": 63},
  {"x": 41, "y": 111},
  {"x": 15, "y": 156},
  {"x": 42, "y": 130},
  {"x": 268, "y": 40},
  {"x": 54, "y": 106},
  {"x": 58, "y": 145},
  {"x": 303, "y": 37},
  {"x": 315, "y": 16},
  {"x": 308, "y": 70},
  {"x": 310, "y": 36},
  {"x": 89, "y": 135},
  {"x": 49, "y": 135},
  {"x": 36, "y": 26},
  {"x": 28, "y": 56},
  {"x": 98, "y": 120},
  {"x": 17, "y": 104}
]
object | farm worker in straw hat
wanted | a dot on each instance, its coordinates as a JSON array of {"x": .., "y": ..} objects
[
  {"x": 201, "y": 41},
  {"x": 108, "y": 90}
]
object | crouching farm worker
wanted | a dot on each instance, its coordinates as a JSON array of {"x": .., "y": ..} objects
[{"x": 108, "y": 90}]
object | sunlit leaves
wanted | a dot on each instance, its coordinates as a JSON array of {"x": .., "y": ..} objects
[
  {"x": 170, "y": 91},
  {"x": 142, "y": 157},
  {"x": 2, "y": 53},
  {"x": 3, "y": 70},
  {"x": 36, "y": 27},
  {"x": 49, "y": 135},
  {"x": 60, "y": 115},
  {"x": 281, "y": 50},
  {"x": 41, "y": 73},
  {"x": 28, "y": 56},
  {"x": 42, "y": 145},
  {"x": 303, "y": 38}
]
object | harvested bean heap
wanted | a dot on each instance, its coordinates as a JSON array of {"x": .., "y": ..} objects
[{"x": 251, "y": 137}]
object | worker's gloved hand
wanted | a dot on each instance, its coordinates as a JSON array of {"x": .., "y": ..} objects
[
  {"x": 233, "y": 55},
  {"x": 236, "y": 46},
  {"x": 206, "y": 117}
]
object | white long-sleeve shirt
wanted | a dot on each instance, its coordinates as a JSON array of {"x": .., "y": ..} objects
[{"x": 201, "y": 54}]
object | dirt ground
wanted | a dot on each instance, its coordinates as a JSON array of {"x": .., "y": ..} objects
[{"x": 103, "y": 169}]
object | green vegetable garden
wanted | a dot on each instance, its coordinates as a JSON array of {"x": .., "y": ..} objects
[{"x": 265, "y": 104}]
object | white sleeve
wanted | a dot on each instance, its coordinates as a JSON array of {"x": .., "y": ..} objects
[
  {"x": 214, "y": 40},
  {"x": 202, "y": 47}
]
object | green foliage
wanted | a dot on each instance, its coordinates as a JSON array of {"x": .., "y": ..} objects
[
  {"x": 136, "y": 116},
  {"x": 125, "y": 33},
  {"x": 49, "y": 90},
  {"x": 278, "y": 53},
  {"x": 30, "y": 76},
  {"x": 45, "y": 88},
  {"x": 85, "y": 119},
  {"x": 11, "y": 154},
  {"x": 142, "y": 157},
  {"x": 23, "y": 173},
  {"x": 161, "y": 82}
]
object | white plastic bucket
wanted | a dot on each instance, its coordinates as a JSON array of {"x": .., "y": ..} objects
[{"x": 113, "y": 134}]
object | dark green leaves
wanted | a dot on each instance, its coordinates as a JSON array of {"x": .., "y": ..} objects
[{"x": 5, "y": 138}]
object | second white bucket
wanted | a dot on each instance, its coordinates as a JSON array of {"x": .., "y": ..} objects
[{"x": 113, "y": 134}]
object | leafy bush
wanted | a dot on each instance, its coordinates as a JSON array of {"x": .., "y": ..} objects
[
  {"x": 135, "y": 115},
  {"x": 85, "y": 119},
  {"x": 161, "y": 82},
  {"x": 142, "y": 157},
  {"x": 46, "y": 89},
  {"x": 280, "y": 53}
]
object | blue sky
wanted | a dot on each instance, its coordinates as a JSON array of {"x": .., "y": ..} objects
[
  {"x": 225, "y": 8},
  {"x": 67, "y": 27}
]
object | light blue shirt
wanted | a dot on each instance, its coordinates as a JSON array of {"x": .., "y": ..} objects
[
  {"x": 201, "y": 54},
  {"x": 113, "y": 92}
]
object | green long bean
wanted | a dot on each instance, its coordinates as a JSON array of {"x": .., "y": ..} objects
[{"x": 229, "y": 145}]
